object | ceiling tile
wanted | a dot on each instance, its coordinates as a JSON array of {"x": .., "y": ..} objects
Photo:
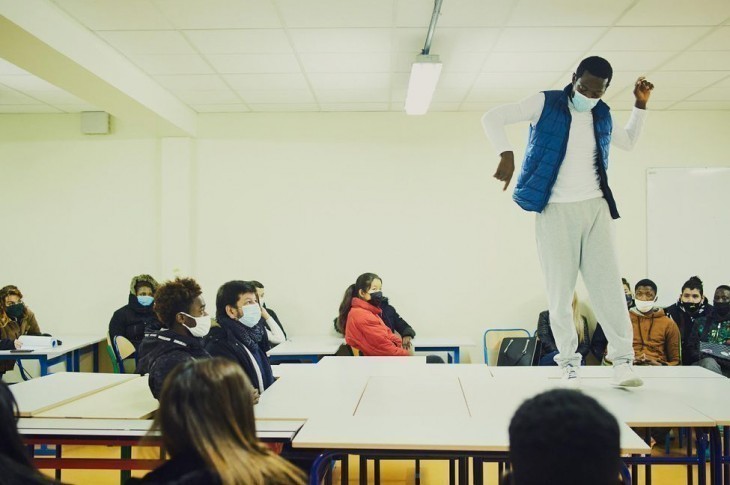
[
  {"x": 649, "y": 38},
  {"x": 285, "y": 108},
  {"x": 55, "y": 97},
  {"x": 341, "y": 40},
  {"x": 278, "y": 96},
  {"x": 259, "y": 82},
  {"x": 684, "y": 12},
  {"x": 446, "y": 95},
  {"x": 697, "y": 79},
  {"x": 638, "y": 61},
  {"x": 352, "y": 95},
  {"x": 724, "y": 83},
  {"x": 464, "y": 13},
  {"x": 468, "y": 62},
  {"x": 546, "y": 39},
  {"x": 240, "y": 41},
  {"x": 336, "y": 13},
  {"x": 192, "y": 82},
  {"x": 220, "y": 108},
  {"x": 27, "y": 82},
  {"x": 566, "y": 12},
  {"x": 355, "y": 107},
  {"x": 530, "y": 61},
  {"x": 253, "y": 63},
  {"x": 208, "y": 97},
  {"x": 718, "y": 40},
  {"x": 660, "y": 95},
  {"x": 8, "y": 96},
  {"x": 75, "y": 108},
  {"x": 438, "y": 107},
  {"x": 712, "y": 94},
  {"x": 335, "y": 62},
  {"x": 536, "y": 81},
  {"x": 116, "y": 15},
  {"x": 148, "y": 42},
  {"x": 219, "y": 14},
  {"x": 446, "y": 40},
  {"x": 325, "y": 81},
  {"x": 10, "y": 69},
  {"x": 172, "y": 64},
  {"x": 701, "y": 106},
  {"x": 478, "y": 107},
  {"x": 700, "y": 61},
  {"x": 499, "y": 95}
]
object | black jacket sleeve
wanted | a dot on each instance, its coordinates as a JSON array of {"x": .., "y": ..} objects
[
  {"x": 162, "y": 366},
  {"x": 584, "y": 347},
  {"x": 544, "y": 333},
  {"x": 401, "y": 326},
  {"x": 117, "y": 325},
  {"x": 599, "y": 343},
  {"x": 7, "y": 344},
  {"x": 691, "y": 351}
]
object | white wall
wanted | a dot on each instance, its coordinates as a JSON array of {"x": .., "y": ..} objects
[{"x": 305, "y": 203}]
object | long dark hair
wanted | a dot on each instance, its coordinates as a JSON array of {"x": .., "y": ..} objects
[
  {"x": 363, "y": 283},
  {"x": 206, "y": 407},
  {"x": 11, "y": 445}
]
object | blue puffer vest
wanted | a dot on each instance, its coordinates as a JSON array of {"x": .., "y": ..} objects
[{"x": 546, "y": 149}]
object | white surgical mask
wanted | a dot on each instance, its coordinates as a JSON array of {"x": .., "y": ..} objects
[
  {"x": 202, "y": 325},
  {"x": 644, "y": 306},
  {"x": 251, "y": 315},
  {"x": 582, "y": 103}
]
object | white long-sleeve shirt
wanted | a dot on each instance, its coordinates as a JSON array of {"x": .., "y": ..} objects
[
  {"x": 274, "y": 332},
  {"x": 577, "y": 178}
]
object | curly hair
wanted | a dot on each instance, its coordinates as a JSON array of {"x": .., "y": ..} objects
[
  {"x": 174, "y": 297},
  {"x": 6, "y": 291}
]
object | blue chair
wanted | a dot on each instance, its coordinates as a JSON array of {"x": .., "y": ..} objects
[
  {"x": 123, "y": 350},
  {"x": 506, "y": 333}
]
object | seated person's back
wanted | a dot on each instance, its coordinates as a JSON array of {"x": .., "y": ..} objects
[
  {"x": 563, "y": 437},
  {"x": 181, "y": 309},
  {"x": 207, "y": 424}
]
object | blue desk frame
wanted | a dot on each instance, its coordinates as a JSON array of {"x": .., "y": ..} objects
[
  {"x": 72, "y": 358},
  {"x": 453, "y": 351}
]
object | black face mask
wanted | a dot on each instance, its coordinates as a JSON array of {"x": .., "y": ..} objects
[
  {"x": 376, "y": 298},
  {"x": 690, "y": 307},
  {"x": 722, "y": 308},
  {"x": 16, "y": 311}
]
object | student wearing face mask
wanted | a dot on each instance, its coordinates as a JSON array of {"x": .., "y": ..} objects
[
  {"x": 361, "y": 322},
  {"x": 269, "y": 319},
  {"x": 690, "y": 305},
  {"x": 16, "y": 319},
  {"x": 180, "y": 307},
  {"x": 656, "y": 336},
  {"x": 131, "y": 320},
  {"x": 238, "y": 334},
  {"x": 627, "y": 293},
  {"x": 713, "y": 328}
]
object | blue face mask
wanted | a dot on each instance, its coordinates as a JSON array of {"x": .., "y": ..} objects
[
  {"x": 582, "y": 103},
  {"x": 251, "y": 315},
  {"x": 145, "y": 300}
]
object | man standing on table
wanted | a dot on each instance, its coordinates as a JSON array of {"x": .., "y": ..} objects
[{"x": 564, "y": 180}]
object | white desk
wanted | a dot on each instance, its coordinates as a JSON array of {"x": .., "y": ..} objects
[
  {"x": 38, "y": 395},
  {"x": 307, "y": 349},
  {"x": 69, "y": 351},
  {"x": 129, "y": 400},
  {"x": 606, "y": 372},
  {"x": 451, "y": 345}
]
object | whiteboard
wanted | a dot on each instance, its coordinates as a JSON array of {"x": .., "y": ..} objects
[{"x": 688, "y": 228}]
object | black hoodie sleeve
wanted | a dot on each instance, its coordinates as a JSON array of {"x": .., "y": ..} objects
[
  {"x": 162, "y": 366},
  {"x": 599, "y": 343},
  {"x": 691, "y": 351},
  {"x": 7, "y": 344},
  {"x": 544, "y": 334},
  {"x": 399, "y": 324},
  {"x": 117, "y": 325}
]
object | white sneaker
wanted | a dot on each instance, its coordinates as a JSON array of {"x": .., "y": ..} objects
[
  {"x": 570, "y": 379},
  {"x": 624, "y": 376}
]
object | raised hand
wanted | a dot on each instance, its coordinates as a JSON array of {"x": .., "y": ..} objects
[{"x": 642, "y": 92}]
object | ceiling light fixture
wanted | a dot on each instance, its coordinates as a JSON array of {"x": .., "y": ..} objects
[{"x": 425, "y": 72}]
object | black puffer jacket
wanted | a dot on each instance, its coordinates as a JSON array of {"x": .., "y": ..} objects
[
  {"x": 686, "y": 322},
  {"x": 547, "y": 341},
  {"x": 159, "y": 353},
  {"x": 130, "y": 321}
]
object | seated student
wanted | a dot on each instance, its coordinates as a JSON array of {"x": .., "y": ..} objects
[
  {"x": 691, "y": 305},
  {"x": 207, "y": 425},
  {"x": 656, "y": 336},
  {"x": 269, "y": 319},
  {"x": 16, "y": 319},
  {"x": 548, "y": 349},
  {"x": 16, "y": 466},
  {"x": 713, "y": 328},
  {"x": 131, "y": 320},
  {"x": 563, "y": 437},
  {"x": 181, "y": 309},
  {"x": 238, "y": 335},
  {"x": 392, "y": 320}
]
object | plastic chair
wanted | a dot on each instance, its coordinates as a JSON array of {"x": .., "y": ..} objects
[
  {"x": 112, "y": 355},
  {"x": 499, "y": 334},
  {"x": 123, "y": 349}
]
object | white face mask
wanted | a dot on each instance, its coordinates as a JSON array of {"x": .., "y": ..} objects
[
  {"x": 582, "y": 103},
  {"x": 251, "y": 315},
  {"x": 202, "y": 325},
  {"x": 644, "y": 306}
]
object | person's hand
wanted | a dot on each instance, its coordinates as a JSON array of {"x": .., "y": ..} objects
[
  {"x": 264, "y": 313},
  {"x": 642, "y": 92},
  {"x": 255, "y": 395},
  {"x": 506, "y": 168},
  {"x": 18, "y": 344},
  {"x": 407, "y": 343}
]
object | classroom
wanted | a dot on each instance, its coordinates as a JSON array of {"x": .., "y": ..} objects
[{"x": 213, "y": 151}]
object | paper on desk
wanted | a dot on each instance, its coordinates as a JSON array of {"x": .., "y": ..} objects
[{"x": 37, "y": 342}]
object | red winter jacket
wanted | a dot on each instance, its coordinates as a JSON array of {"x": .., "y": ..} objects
[{"x": 366, "y": 331}]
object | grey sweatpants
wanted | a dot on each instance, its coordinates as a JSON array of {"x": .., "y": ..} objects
[{"x": 577, "y": 236}]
